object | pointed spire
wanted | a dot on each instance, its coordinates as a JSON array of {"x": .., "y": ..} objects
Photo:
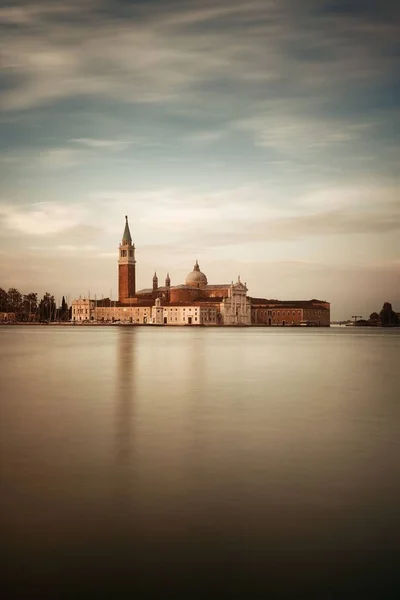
[
  {"x": 126, "y": 238},
  {"x": 196, "y": 266},
  {"x": 167, "y": 281}
]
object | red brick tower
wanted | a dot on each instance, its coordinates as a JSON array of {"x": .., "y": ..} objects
[{"x": 126, "y": 266}]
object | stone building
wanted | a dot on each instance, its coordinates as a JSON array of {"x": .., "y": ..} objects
[
  {"x": 297, "y": 312},
  {"x": 184, "y": 314},
  {"x": 194, "y": 302},
  {"x": 82, "y": 309},
  {"x": 8, "y": 317}
]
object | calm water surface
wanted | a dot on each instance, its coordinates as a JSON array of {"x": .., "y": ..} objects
[{"x": 229, "y": 460}]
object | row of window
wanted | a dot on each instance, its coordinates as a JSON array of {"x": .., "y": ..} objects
[{"x": 279, "y": 313}]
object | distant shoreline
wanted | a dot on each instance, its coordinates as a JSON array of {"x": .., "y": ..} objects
[
  {"x": 212, "y": 326},
  {"x": 118, "y": 324}
]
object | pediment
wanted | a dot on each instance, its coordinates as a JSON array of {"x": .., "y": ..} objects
[{"x": 240, "y": 287}]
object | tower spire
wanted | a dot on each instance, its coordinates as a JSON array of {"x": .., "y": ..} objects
[
  {"x": 155, "y": 282},
  {"x": 126, "y": 238}
]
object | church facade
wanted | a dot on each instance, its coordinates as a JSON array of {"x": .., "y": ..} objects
[{"x": 194, "y": 302}]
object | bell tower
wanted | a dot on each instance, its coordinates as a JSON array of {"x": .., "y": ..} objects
[
  {"x": 155, "y": 282},
  {"x": 126, "y": 266}
]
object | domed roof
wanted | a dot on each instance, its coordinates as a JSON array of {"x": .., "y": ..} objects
[{"x": 196, "y": 278}]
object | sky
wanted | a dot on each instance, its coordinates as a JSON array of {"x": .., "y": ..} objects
[{"x": 259, "y": 137}]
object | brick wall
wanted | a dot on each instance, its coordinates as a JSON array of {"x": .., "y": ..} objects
[{"x": 126, "y": 281}]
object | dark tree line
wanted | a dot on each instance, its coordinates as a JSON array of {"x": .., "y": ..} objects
[
  {"x": 27, "y": 307},
  {"x": 386, "y": 318}
]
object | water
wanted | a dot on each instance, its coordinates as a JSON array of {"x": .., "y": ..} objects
[{"x": 200, "y": 460}]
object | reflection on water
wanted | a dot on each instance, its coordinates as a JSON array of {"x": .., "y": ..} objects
[
  {"x": 205, "y": 460},
  {"x": 125, "y": 393}
]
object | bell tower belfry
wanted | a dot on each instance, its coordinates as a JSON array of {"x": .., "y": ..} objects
[{"x": 126, "y": 266}]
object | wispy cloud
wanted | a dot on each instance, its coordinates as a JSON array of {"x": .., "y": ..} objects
[
  {"x": 249, "y": 213},
  {"x": 159, "y": 57},
  {"x": 291, "y": 134},
  {"x": 101, "y": 143},
  {"x": 205, "y": 137},
  {"x": 41, "y": 219},
  {"x": 56, "y": 158},
  {"x": 72, "y": 248}
]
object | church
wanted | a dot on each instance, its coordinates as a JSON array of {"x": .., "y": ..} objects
[{"x": 194, "y": 302}]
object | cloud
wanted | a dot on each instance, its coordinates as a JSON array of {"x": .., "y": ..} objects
[
  {"x": 101, "y": 143},
  {"x": 39, "y": 159},
  {"x": 356, "y": 197},
  {"x": 71, "y": 248},
  {"x": 322, "y": 213},
  {"x": 41, "y": 219},
  {"x": 205, "y": 137},
  {"x": 284, "y": 128},
  {"x": 29, "y": 13},
  {"x": 56, "y": 158},
  {"x": 186, "y": 53},
  {"x": 248, "y": 214}
]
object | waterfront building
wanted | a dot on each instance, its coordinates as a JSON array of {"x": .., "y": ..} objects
[
  {"x": 8, "y": 317},
  {"x": 194, "y": 302},
  {"x": 82, "y": 309},
  {"x": 300, "y": 312}
]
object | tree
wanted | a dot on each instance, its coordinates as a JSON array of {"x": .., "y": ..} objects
[
  {"x": 29, "y": 306},
  {"x": 14, "y": 301},
  {"x": 374, "y": 319},
  {"x": 387, "y": 316},
  {"x": 47, "y": 308},
  {"x": 63, "y": 311},
  {"x": 3, "y": 300}
]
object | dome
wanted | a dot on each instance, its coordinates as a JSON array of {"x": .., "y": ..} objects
[{"x": 196, "y": 278}]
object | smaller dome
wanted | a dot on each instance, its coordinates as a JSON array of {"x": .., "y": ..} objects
[{"x": 196, "y": 278}]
